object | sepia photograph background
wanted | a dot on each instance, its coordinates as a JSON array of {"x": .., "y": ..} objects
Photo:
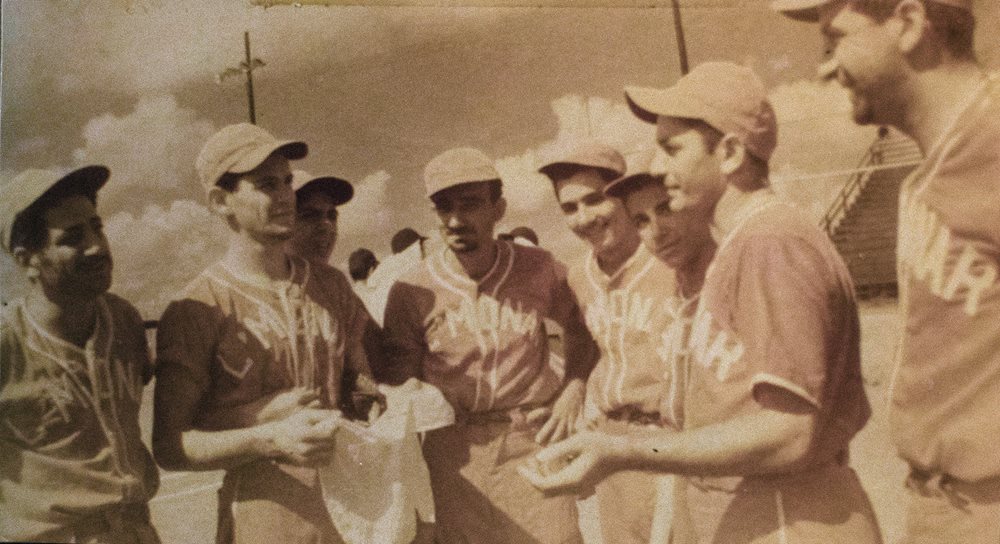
[{"x": 376, "y": 92}]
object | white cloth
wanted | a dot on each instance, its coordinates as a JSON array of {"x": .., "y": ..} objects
[
  {"x": 385, "y": 275},
  {"x": 378, "y": 483}
]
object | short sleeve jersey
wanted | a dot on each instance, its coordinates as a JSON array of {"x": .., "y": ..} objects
[
  {"x": 483, "y": 343},
  {"x": 635, "y": 316},
  {"x": 946, "y": 389},
  {"x": 70, "y": 444},
  {"x": 238, "y": 341},
  {"x": 777, "y": 308}
]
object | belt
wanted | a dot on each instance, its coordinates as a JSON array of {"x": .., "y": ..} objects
[
  {"x": 517, "y": 416},
  {"x": 935, "y": 484},
  {"x": 114, "y": 519},
  {"x": 631, "y": 414}
]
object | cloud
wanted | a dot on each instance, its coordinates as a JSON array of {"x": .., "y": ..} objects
[
  {"x": 150, "y": 152},
  {"x": 159, "y": 251}
]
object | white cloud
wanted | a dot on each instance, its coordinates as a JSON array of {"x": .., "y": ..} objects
[{"x": 161, "y": 250}]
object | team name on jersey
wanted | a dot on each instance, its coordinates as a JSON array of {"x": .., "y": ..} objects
[
  {"x": 924, "y": 248},
  {"x": 311, "y": 321},
  {"x": 619, "y": 310},
  {"x": 673, "y": 339},
  {"x": 487, "y": 317},
  {"x": 711, "y": 347}
]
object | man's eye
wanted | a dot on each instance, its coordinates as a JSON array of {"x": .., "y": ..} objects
[
  {"x": 663, "y": 208},
  {"x": 568, "y": 209}
]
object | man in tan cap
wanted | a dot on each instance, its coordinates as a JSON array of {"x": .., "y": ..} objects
[
  {"x": 470, "y": 320},
  {"x": 73, "y": 362},
  {"x": 251, "y": 356},
  {"x": 911, "y": 64},
  {"x": 773, "y": 391},
  {"x": 627, "y": 297}
]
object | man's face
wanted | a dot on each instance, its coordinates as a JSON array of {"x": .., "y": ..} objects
[
  {"x": 467, "y": 216},
  {"x": 75, "y": 262},
  {"x": 676, "y": 237},
  {"x": 263, "y": 203},
  {"x": 599, "y": 220},
  {"x": 690, "y": 165},
  {"x": 864, "y": 58},
  {"x": 315, "y": 232}
]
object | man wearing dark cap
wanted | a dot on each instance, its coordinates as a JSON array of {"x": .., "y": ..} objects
[
  {"x": 251, "y": 356},
  {"x": 361, "y": 263},
  {"x": 911, "y": 64},
  {"x": 627, "y": 297},
  {"x": 316, "y": 201},
  {"x": 773, "y": 389},
  {"x": 403, "y": 239},
  {"x": 470, "y": 321},
  {"x": 73, "y": 362}
]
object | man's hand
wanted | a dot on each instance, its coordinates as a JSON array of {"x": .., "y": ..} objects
[
  {"x": 565, "y": 415},
  {"x": 576, "y": 463},
  {"x": 305, "y": 437},
  {"x": 287, "y": 403}
]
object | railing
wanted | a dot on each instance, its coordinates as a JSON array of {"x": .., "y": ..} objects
[{"x": 885, "y": 153}]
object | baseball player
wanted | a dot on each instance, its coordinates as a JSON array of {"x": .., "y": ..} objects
[
  {"x": 73, "y": 362},
  {"x": 316, "y": 201},
  {"x": 251, "y": 356},
  {"x": 911, "y": 64},
  {"x": 469, "y": 320},
  {"x": 627, "y": 297},
  {"x": 774, "y": 391}
]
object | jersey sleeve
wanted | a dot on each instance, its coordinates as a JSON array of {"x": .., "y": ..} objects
[
  {"x": 405, "y": 342},
  {"x": 135, "y": 331},
  {"x": 185, "y": 343},
  {"x": 788, "y": 305}
]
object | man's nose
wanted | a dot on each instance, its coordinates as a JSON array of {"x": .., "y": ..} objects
[{"x": 827, "y": 70}]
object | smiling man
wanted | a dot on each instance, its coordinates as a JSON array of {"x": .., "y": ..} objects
[
  {"x": 627, "y": 297},
  {"x": 73, "y": 362},
  {"x": 773, "y": 390},
  {"x": 470, "y": 320},
  {"x": 251, "y": 356},
  {"x": 911, "y": 64}
]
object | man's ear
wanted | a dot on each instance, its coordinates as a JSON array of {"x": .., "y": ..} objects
[
  {"x": 28, "y": 260},
  {"x": 218, "y": 201},
  {"x": 914, "y": 24},
  {"x": 501, "y": 208},
  {"x": 733, "y": 153}
]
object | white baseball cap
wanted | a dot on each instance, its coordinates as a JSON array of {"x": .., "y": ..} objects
[
  {"x": 238, "y": 149},
  {"x": 456, "y": 167},
  {"x": 808, "y": 10},
  {"x": 586, "y": 153},
  {"x": 729, "y": 97}
]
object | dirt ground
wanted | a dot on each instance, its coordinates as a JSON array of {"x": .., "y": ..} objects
[{"x": 184, "y": 511}]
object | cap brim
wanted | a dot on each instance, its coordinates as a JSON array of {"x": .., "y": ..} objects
[
  {"x": 291, "y": 150},
  {"x": 800, "y": 10},
  {"x": 648, "y": 104},
  {"x": 340, "y": 190},
  {"x": 548, "y": 169},
  {"x": 626, "y": 184}
]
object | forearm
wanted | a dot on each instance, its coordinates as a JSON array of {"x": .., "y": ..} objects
[
  {"x": 761, "y": 443},
  {"x": 580, "y": 353},
  {"x": 215, "y": 450}
]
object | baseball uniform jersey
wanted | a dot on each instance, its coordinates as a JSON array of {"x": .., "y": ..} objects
[
  {"x": 484, "y": 345},
  {"x": 946, "y": 388},
  {"x": 636, "y": 319},
  {"x": 70, "y": 446},
  {"x": 237, "y": 341},
  {"x": 778, "y": 308}
]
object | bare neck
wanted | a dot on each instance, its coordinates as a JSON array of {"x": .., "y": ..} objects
[
  {"x": 479, "y": 262},
  {"x": 690, "y": 278},
  {"x": 257, "y": 261},
  {"x": 613, "y": 258},
  {"x": 70, "y": 320},
  {"x": 936, "y": 98}
]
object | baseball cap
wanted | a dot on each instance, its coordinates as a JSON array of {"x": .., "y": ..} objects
[
  {"x": 586, "y": 153},
  {"x": 640, "y": 171},
  {"x": 458, "y": 166},
  {"x": 238, "y": 149},
  {"x": 729, "y": 97},
  {"x": 403, "y": 239},
  {"x": 808, "y": 10},
  {"x": 31, "y": 185},
  {"x": 340, "y": 190}
]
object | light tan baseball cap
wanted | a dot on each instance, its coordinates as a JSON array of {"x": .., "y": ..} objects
[
  {"x": 641, "y": 169},
  {"x": 588, "y": 154},
  {"x": 458, "y": 166},
  {"x": 808, "y": 10},
  {"x": 31, "y": 185},
  {"x": 340, "y": 190},
  {"x": 727, "y": 96},
  {"x": 238, "y": 149}
]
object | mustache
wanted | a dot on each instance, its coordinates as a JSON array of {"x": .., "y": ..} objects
[
  {"x": 459, "y": 230},
  {"x": 94, "y": 261}
]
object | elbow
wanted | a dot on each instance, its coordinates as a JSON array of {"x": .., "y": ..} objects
[
  {"x": 797, "y": 450},
  {"x": 169, "y": 454}
]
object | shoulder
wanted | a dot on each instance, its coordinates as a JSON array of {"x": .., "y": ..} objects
[
  {"x": 122, "y": 310},
  {"x": 535, "y": 260}
]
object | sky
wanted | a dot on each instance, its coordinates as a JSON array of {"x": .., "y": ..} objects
[{"x": 376, "y": 92}]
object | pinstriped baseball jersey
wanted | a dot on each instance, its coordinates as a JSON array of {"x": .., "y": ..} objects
[
  {"x": 482, "y": 343},
  {"x": 70, "y": 445},
  {"x": 777, "y": 308},
  {"x": 633, "y": 316},
  {"x": 946, "y": 389},
  {"x": 238, "y": 341}
]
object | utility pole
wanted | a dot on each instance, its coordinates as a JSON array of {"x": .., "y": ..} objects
[
  {"x": 679, "y": 32},
  {"x": 247, "y": 66}
]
